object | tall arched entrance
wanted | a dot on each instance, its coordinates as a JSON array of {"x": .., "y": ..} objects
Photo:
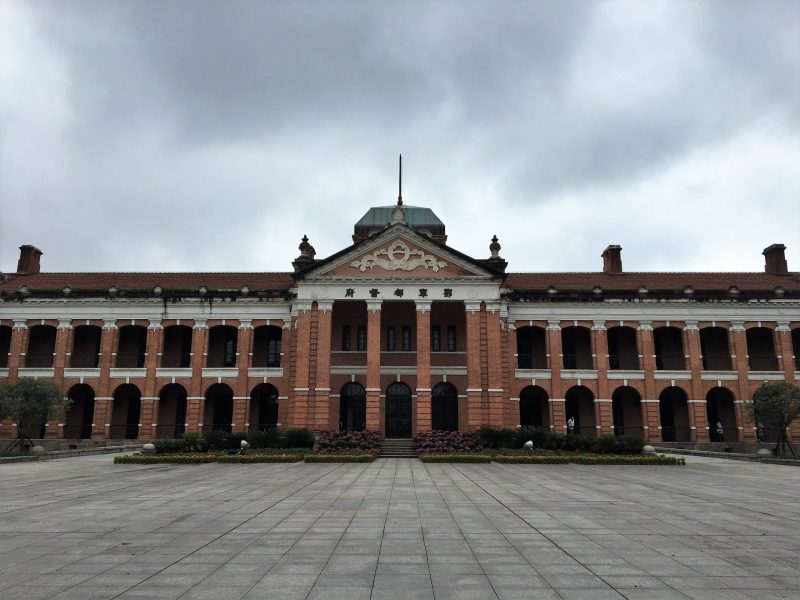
[
  {"x": 352, "y": 407},
  {"x": 534, "y": 408},
  {"x": 722, "y": 425},
  {"x": 673, "y": 408},
  {"x": 219, "y": 408},
  {"x": 171, "y": 411},
  {"x": 264, "y": 407},
  {"x": 398, "y": 411},
  {"x": 80, "y": 414},
  {"x": 125, "y": 411},
  {"x": 444, "y": 407}
]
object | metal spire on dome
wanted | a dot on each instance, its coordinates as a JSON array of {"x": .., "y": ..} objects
[{"x": 400, "y": 184}]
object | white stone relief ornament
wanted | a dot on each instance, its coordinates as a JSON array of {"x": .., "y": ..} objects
[{"x": 399, "y": 257}]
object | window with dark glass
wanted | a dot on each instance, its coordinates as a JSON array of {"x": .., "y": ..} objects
[
  {"x": 361, "y": 339},
  {"x": 346, "y": 338},
  {"x": 229, "y": 354},
  {"x": 406, "y": 338},
  {"x": 451, "y": 338},
  {"x": 436, "y": 339},
  {"x": 391, "y": 338}
]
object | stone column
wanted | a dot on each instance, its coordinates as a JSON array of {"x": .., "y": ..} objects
[
  {"x": 195, "y": 403},
  {"x": 62, "y": 351},
  {"x": 299, "y": 392},
  {"x": 374, "y": 364},
  {"x": 738, "y": 343},
  {"x": 424, "y": 414},
  {"x": 494, "y": 384},
  {"x": 651, "y": 417},
  {"x": 241, "y": 393},
  {"x": 698, "y": 421},
  {"x": 558, "y": 419},
  {"x": 603, "y": 414},
  {"x": 101, "y": 419},
  {"x": 474, "y": 387},
  {"x": 17, "y": 349},
  {"x": 784, "y": 350},
  {"x": 322, "y": 383},
  {"x": 148, "y": 418}
]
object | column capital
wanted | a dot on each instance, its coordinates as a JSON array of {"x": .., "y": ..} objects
[
  {"x": 554, "y": 325},
  {"x": 155, "y": 324},
  {"x": 691, "y": 326},
  {"x": 110, "y": 324},
  {"x": 300, "y": 306},
  {"x": 245, "y": 324},
  {"x": 324, "y": 305},
  {"x": 21, "y": 324},
  {"x": 423, "y": 305},
  {"x": 64, "y": 324},
  {"x": 783, "y": 327},
  {"x": 599, "y": 326},
  {"x": 200, "y": 324},
  {"x": 737, "y": 326},
  {"x": 472, "y": 305},
  {"x": 645, "y": 326},
  {"x": 493, "y": 306},
  {"x": 374, "y": 306}
]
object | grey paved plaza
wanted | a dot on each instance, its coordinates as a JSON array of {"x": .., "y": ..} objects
[{"x": 86, "y": 528}]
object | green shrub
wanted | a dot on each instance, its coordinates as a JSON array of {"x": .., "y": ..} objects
[
  {"x": 538, "y": 435},
  {"x": 298, "y": 438},
  {"x": 168, "y": 446},
  {"x": 629, "y": 444},
  {"x": 577, "y": 443},
  {"x": 261, "y": 458},
  {"x": 217, "y": 440},
  {"x": 496, "y": 437},
  {"x": 541, "y": 459},
  {"x": 332, "y": 442},
  {"x": 455, "y": 458},
  {"x": 336, "y": 458},
  {"x": 235, "y": 441},
  {"x": 280, "y": 451},
  {"x": 150, "y": 459},
  {"x": 447, "y": 442},
  {"x": 193, "y": 442},
  {"x": 605, "y": 444},
  {"x": 268, "y": 438},
  {"x": 617, "y": 459}
]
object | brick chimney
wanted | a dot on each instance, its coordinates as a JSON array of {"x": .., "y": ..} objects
[
  {"x": 28, "y": 260},
  {"x": 612, "y": 259},
  {"x": 775, "y": 259}
]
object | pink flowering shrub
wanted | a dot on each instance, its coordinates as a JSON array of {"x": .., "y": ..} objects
[
  {"x": 446, "y": 442},
  {"x": 339, "y": 442}
]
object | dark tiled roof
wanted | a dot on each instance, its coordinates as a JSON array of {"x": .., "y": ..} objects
[
  {"x": 43, "y": 282},
  {"x": 667, "y": 282}
]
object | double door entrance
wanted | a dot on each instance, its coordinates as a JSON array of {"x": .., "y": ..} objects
[{"x": 398, "y": 411}]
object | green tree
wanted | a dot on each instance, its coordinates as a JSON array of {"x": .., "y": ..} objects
[
  {"x": 30, "y": 403},
  {"x": 778, "y": 404}
]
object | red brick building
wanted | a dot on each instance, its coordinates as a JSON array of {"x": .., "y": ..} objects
[{"x": 402, "y": 333}]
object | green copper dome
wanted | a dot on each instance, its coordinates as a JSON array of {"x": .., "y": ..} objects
[{"x": 419, "y": 218}]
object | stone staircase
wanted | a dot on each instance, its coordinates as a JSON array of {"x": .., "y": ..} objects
[{"x": 397, "y": 448}]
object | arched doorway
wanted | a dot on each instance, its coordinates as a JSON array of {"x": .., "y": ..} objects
[
  {"x": 171, "y": 411},
  {"x": 626, "y": 408},
  {"x": 125, "y": 412},
  {"x": 264, "y": 407},
  {"x": 444, "y": 407},
  {"x": 218, "y": 414},
  {"x": 579, "y": 406},
  {"x": 673, "y": 408},
  {"x": 722, "y": 425},
  {"x": 534, "y": 409},
  {"x": 80, "y": 414},
  {"x": 352, "y": 407},
  {"x": 398, "y": 411}
]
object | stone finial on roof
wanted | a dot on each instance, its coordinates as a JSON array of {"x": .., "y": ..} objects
[
  {"x": 494, "y": 247},
  {"x": 306, "y": 257}
]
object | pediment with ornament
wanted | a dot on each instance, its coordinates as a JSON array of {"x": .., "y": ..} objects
[{"x": 398, "y": 252}]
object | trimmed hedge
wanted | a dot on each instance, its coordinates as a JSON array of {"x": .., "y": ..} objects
[
  {"x": 455, "y": 458},
  {"x": 267, "y": 457},
  {"x": 446, "y": 442},
  {"x": 535, "y": 459},
  {"x": 368, "y": 441},
  {"x": 155, "y": 459},
  {"x": 339, "y": 458},
  {"x": 601, "y": 459}
]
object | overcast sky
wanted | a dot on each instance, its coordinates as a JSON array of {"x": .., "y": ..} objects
[{"x": 196, "y": 135}]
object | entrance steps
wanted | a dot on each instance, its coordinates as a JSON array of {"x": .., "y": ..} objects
[{"x": 398, "y": 448}]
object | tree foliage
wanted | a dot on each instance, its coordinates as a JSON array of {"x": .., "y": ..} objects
[
  {"x": 30, "y": 403},
  {"x": 777, "y": 404}
]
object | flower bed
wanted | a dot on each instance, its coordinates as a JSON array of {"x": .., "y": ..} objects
[
  {"x": 340, "y": 458},
  {"x": 267, "y": 457},
  {"x": 455, "y": 458},
  {"x": 447, "y": 442},
  {"x": 154, "y": 459},
  {"x": 363, "y": 442}
]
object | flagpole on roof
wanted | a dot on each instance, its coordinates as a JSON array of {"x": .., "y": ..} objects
[{"x": 400, "y": 184}]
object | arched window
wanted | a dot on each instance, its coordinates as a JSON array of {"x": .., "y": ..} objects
[{"x": 352, "y": 407}]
